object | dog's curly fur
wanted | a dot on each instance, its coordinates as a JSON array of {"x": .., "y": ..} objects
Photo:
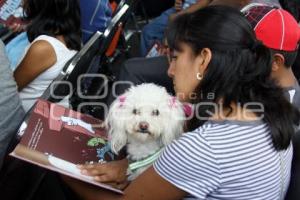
[{"x": 144, "y": 119}]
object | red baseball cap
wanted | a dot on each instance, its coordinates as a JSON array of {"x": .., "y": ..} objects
[{"x": 275, "y": 27}]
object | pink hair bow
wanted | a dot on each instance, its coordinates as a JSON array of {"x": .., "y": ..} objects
[{"x": 122, "y": 101}]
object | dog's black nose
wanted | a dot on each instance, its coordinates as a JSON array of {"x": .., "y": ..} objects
[{"x": 144, "y": 126}]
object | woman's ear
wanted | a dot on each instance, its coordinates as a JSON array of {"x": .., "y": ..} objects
[{"x": 205, "y": 58}]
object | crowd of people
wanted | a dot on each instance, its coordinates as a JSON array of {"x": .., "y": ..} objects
[{"x": 242, "y": 51}]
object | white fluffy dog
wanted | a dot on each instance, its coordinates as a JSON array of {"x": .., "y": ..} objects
[{"x": 144, "y": 119}]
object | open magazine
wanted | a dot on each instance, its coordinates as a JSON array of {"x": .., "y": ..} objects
[
  {"x": 11, "y": 12},
  {"x": 57, "y": 138}
]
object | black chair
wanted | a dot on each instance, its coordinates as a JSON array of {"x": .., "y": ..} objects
[
  {"x": 109, "y": 44},
  {"x": 117, "y": 22}
]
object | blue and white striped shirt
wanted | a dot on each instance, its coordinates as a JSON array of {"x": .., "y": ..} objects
[{"x": 227, "y": 160}]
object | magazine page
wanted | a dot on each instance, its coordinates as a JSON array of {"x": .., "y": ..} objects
[
  {"x": 58, "y": 139},
  {"x": 11, "y": 12}
]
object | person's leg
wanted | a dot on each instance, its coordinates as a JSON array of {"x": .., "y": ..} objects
[
  {"x": 21, "y": 180},
  {"x": 142, "y": 70},
  {"x": 59, "y": 190},
  {"x": 154, "y": 31}
]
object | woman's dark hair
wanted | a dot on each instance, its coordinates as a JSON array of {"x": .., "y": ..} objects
[
  {"x": 53, "y": 18},
  {"x": 239, "y": 70}
]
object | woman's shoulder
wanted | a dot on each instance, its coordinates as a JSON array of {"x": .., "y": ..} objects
[
  {"x": 41, "y": 45},
  {"x": 41, "y": 48},
  {"x": 60, "y": 50},
  {"x": 42, "y": 51},
  {"x": 53, "y": 41}
]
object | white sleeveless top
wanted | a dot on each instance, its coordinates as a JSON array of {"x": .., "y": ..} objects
[{"x": 36, "y": 88}]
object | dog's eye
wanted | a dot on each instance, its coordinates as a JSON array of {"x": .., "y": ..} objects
[
  {"x": 155, "y": 112},
  {"x": 135, "y": 111}
]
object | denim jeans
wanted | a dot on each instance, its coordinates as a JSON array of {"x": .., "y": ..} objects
[{"x": 154, "y": 31}]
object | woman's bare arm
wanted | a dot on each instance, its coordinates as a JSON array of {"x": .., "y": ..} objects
[
  {"x": 150, "y": 185},
  {"x": 39, "y": 57},
  {"x": 147, "y": 186}
]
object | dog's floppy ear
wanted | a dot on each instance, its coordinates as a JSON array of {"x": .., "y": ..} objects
[
  {"x": 115, "y": 123},
  {"x": 175, "y": 117}
]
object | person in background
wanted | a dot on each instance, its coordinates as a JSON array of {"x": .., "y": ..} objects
[
  {"x": 52, "y": 45},
  {"x": 230, "y": 150},
  {"x": 95, "y": 16},
  {"x": 282, "y": 38},
  {"x": 12, "y": 112},
  {"x": 154, "y": 31}
]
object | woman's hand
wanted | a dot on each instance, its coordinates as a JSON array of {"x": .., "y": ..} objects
[
  {"x": 113, "y": 173},
  {"x": 17, "y": 27}
]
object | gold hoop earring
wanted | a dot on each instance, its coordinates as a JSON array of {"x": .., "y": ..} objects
[{"x": 199, "y": 76}]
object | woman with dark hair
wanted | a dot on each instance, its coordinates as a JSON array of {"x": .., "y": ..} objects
[
  {"x": 55, "y": 36},
  {"x": 238, "y": 145}
]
